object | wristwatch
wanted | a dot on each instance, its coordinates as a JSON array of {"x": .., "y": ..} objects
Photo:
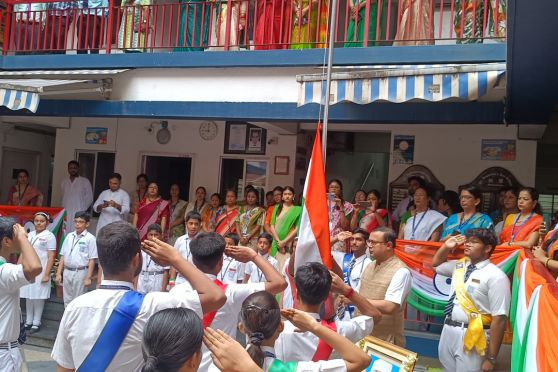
[{"x": 491, "y": 359}]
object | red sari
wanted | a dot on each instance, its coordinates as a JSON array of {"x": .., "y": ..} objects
[
  {"x": 520, "y": 232},
  {"x": 225, "y": 221},
  {"x": 268, "y": 33},
  {"x": 150, "y": 213},
  {"x": 26, "y": 196}
]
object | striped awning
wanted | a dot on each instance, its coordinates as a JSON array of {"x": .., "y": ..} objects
[
  {"x": 17, "y": 99},
  {"x": 397, "y": 83}
]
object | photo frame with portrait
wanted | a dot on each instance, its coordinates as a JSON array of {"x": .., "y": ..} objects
[
  {"x": 387, "y": 356},
  {"x": 245, "y": 138}
]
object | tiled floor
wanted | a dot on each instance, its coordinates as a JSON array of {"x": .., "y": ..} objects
[{"x": 37, "y": 359}]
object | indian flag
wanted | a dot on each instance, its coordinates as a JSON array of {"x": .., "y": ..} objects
[{"x": 313, "y": 232}]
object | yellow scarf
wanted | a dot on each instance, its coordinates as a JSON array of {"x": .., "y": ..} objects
[{"x": 474, "y": 335}]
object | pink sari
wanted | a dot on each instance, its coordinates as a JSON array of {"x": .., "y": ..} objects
[{"x": 150, "y": 213}]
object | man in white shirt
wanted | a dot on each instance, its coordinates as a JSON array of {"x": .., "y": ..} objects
[
  {"x": 207, "y": 253},
  {"x": 120, "y": 256},
  {"x": 77, "y": 194},
  {"x": 79, "y": 252},
  {"x": 313, "y": 283},
  {"x": 182, "y": 244},
  {"x": 12, "y": 278},
  {"x": 113, "y": 204},
  {"x": 486, "y": 291}
]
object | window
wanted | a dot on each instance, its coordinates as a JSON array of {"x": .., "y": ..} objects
[
  {"x": 236, "y": 174},
  {"x": 97, "y": 167}
]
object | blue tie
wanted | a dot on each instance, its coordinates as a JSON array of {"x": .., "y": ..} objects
[{"x": 449, "y": 307}]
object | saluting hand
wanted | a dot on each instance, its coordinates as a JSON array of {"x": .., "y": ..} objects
[
  {"x": 337, "y": 284},
  {"x": 454, "y": 242},
  {"x": 301, "y": 320},
  {"x": 162, "y": 253},
  {"x": 241, "y": 254}
]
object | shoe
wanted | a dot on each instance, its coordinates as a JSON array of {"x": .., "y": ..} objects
[
  {"x": 34, "y": 329},
  {"x": 28, "y": 326}
]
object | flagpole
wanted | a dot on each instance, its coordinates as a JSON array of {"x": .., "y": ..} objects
[{"x": 331, "y": 45}]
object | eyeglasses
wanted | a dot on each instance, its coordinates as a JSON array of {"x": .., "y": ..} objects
[{"x": 373, "y": 243}]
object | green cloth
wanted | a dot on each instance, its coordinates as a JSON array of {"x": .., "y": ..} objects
[
  {"x": 130, "y": 36},
  {"x": 194, "y": 15},
  {"x": 279, "y": 366},
  {"x": 373, "y": 18},
  {"x": 289, "y": 220}
]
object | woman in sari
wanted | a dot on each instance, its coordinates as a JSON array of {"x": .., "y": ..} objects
[
  {"x": 140, "y": 192},
  {"x": 284, "y": 226},
  {"x": 522, "y": 229},
  {"x": 339, "y": 212},
  {"x": 237, "y": 24},
  {"x": 250, "y": 220},
  {"x": 371, "y": 217},
  {"x": 509, "y": 201},
  {"x": 308, "y": 24},
  {"x": 177, "y": 207},
  {"x": 470, "y": 198},
  {"x": 226, "y": 217},
  {"x": 425, "y": 224},
  {"x": 356, "y": 29},
  {"x": 23, "y": 194},
  {"x": 152, "y": 209},
  {"x": 194, "y": 25},
  {"x": 134, "y": 25},
  {"x": 198, "y": 205},
  {"x": 209, "y": 215},
  {"x": 416, "y": 26},
  {"x": 267, "y": 33}
]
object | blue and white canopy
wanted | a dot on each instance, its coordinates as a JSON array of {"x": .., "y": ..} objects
[
  {"x": 17, "y": 98},
  {"x": 402, "y": 83}
]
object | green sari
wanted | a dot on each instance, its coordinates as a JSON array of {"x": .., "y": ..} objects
[
  {"x": 194, "y": 26},
  {"x": 284, "y": 225},
  {"x": 357, "y": 40}
]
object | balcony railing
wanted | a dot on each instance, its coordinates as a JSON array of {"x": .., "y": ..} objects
[{"x": 32, "y": 27}]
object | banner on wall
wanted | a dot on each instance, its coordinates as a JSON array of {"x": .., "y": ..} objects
[
  {"x": 24, "y": 216},
  {"x": 430, "y": 291}
]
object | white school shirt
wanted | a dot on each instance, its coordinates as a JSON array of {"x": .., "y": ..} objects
[
  {"x": 12, "y": 279},
  {"x": 399, "y": 287},
  {"x": 334, "y": 365},
  {"x": 43, "y": 242},
  {"x": 488, "y": 287},
  {"x": 256, "y": 275},
  {"x": 182, "y": 244},
  {"x": 226, "y": 318},
  {"x": 232, "y": 271},
  {"x": 111, "y": 214},
  {"x": 79, "y": 249},
  {"x": 77, "y": 196},
  {"x": 150, "y": 265},
  {"x": 297, "y": 346},
  {"x": 86, "y": 316},
  {"x": 358, "y": 269}
]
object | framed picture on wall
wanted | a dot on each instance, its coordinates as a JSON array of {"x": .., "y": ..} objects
[
  {"x": 281, "y": 165},
  {"x": 244, "y": 138}
]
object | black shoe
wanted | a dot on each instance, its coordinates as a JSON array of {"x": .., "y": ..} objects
[
  {"x": 28, "y": 326},
  {"x": 34, "y": 329}
]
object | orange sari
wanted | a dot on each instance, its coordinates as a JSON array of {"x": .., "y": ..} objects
[{"x": 514, "y": 232}]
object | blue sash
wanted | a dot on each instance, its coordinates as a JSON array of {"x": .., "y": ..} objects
[
  {"x": 113, "y": 333},
  {"x": 347, "y": 278}
]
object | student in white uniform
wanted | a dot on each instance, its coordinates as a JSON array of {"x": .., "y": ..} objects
[
  {"x": 252, "y": 274},
  {"x": 232, "y": 270},
  {"x": 207, "y": 253},
  {"x": 313, "y": 284},
  {"x": 77, "y": 194},
  {"x": 153, "y": 277},
  {"x": 485, "y": 290},
  {"x": 182, "y": 244},
  {"x": 113, "y": 204},
  {"x": 78, "y": 255},
  {"x": 120, "y": 257},
  {"x": 12, "y": 278},
  {"x": 44, "y": 243},
  {"x": 261, "y": 322},
  {"x": 354, "y": 263}
]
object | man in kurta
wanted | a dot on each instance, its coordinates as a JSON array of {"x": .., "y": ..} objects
[
  {"x": 77, "y": 194},
  {"x": 386, "y": 282},
  {"x": 113, "y": 204}
]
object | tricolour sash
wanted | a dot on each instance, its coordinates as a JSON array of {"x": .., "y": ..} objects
[
  {"x": 474, "y": 335},
  {"x": 113, "y": 334},
  {"x": 323, "y": 352},
  {"x": 208, "y": 318}
]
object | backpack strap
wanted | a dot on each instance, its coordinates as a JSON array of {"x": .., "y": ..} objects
[{"x": 113, "y": 334}]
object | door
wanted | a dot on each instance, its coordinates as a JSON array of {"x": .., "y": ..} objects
[
  {"x": 166, "y": 170},
  {"x": 12, "y": 161}
]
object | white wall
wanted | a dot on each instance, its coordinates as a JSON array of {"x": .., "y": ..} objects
[
  {"x": 453, "y": 152},
  {"x": 24, "y": 140},
  {"x": 129, "y": 138}
]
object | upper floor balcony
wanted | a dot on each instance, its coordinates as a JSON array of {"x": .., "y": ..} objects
[{"x": 141, "y": 26}]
